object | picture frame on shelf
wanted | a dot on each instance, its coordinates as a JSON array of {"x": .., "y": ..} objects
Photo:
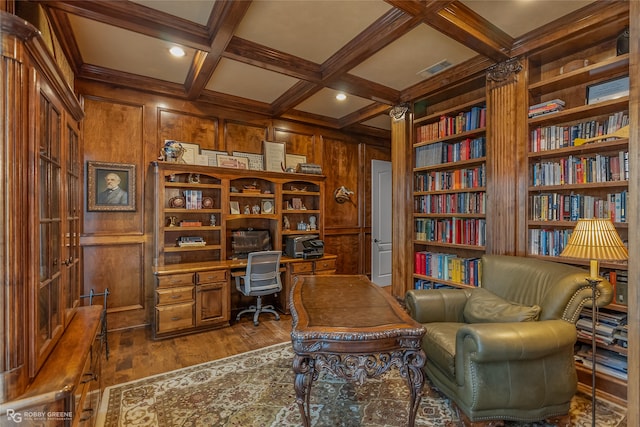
[
  {"x": 293, "y": 160},
  {"x": 212, "y": 156},
  {"x": 111, "y": 187},
  {"x": 267, "y": 206},
  {"x": 234, "y": 207},
  {"x": 274, "y": 156},
  {"x": 233, "y": 162},
  {"x": 608, "y": 90},
  {"x": 256, "y": 161},
  {"x": 191, "y": 151}
]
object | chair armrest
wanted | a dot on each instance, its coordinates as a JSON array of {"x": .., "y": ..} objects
[
  {"x": 437, "y": 305},
  {"x": 496, "y": 342}
]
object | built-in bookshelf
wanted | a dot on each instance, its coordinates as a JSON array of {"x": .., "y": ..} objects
[
  {"x": 570, "y": 178},
  {"x": 449, "y": 195}
]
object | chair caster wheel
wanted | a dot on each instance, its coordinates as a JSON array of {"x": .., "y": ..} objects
[{"x": 256, "y": 323}]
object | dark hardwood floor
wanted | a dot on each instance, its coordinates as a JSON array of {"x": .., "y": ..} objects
[{"x": 133, "y": 354}]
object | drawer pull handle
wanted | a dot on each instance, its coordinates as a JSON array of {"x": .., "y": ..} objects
[
  {"x": 175, "y": 296},
  {"x": 173, "y": 319}
]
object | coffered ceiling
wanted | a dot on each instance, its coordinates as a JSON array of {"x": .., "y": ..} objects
[{"x": 289, "y": 58}]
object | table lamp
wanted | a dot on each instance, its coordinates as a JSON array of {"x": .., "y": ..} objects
[{"x": 597, "y": 240}]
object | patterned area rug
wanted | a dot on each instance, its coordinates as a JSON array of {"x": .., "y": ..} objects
[{"x": 256, "y": 389}]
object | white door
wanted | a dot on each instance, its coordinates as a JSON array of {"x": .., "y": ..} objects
[{"x": 381, "y": 222}]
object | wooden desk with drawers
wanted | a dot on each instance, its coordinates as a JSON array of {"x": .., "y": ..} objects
[{"x": 193, "y": 297}]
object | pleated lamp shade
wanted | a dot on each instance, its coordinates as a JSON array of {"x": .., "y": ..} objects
[{"x": 595, "y": 239}]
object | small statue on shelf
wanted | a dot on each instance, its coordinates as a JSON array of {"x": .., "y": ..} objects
[
  {"x": 312, "y": 222},
  {"x": 247, "y": 210},
  {"x": 212, "y": 220},
  {"x": 285, "y": 223}
]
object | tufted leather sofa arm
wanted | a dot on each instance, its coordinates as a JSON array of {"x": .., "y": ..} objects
[{"x": 437, "y": 305}]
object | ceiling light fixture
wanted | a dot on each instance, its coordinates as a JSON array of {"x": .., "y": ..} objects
[
  {"x": 341, "y": 97},
  {"x": 177, "y": 51}
]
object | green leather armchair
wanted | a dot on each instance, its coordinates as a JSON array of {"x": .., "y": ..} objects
[{"x": 505, "y": 351}]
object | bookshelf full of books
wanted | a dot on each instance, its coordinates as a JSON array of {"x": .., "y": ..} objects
[
  {"x": 578, "y": 167},
  {"x": 449, "y": 196}
]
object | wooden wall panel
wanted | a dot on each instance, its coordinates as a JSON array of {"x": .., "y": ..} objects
[
  {"x": 297, "y": 143},
  {"x": 244, "y": 137},
  {"x": 118, "y": 266},
  {"x": 191, "y": 128},
  {"x": 113, "y": 132},
  {"x": 341, "y": 159},
  {"x": 506, "y": 163},
  {"x": 348, "y": 247}
]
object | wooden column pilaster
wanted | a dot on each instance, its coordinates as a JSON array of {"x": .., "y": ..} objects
[
  {"x": 402, "y": 187},
  {"x": 633, "y": 212},
  {"x": 507, "y": 136}
]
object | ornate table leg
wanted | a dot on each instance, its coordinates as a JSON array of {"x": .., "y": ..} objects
[
  {"x": 412, "y": 370},
  {"x": 304, "y": 371}
]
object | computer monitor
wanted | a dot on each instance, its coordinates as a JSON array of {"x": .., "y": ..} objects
[{"x": 245, "y": 241}]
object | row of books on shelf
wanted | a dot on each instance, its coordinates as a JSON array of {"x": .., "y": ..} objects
[
  {"x": 452, "y": 231},
  {"x": 193, "y": 199},
  {"x": 466, "y": 203},
  {"x": 430, "y": 284},
  {"x": 611, "y": 336},
  {"x": 582, "y": 170},
  {"x": 607, "y": 362},
  {"x": 446, "y": 152},
  {"x": 451, "y": 180},
  {"x": 548, "y": 242},
  {"x": 546, "y": 107},
  {"x": 560, "y": 136},
  {"x": 571, "y": 207},
  {"x": 449, "y": 267},
  {"x": 465, "y": 121}
]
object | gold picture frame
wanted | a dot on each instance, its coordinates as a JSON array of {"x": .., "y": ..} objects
[{"x": 111, "y": 187}]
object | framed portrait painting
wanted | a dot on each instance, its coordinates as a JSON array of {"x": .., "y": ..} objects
[{"x": 111, "y": 187}]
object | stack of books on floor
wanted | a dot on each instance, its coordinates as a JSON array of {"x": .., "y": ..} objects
[
  {"x": 546, "y": 107},
  {"x": 611, "y": 339}
]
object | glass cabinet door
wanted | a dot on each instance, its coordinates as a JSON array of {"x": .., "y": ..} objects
[
  {"x": 71, "y": 258},
  {"x": 48, "y": 316}
]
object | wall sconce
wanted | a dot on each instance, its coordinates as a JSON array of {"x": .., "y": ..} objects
[{"x": 342, "y": 194}]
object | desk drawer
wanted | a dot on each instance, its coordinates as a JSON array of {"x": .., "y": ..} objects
[
  {"x": 174, "y": 295},
  {"x": 175, "y": 280},
  {"x": 323, "y": 266},
  {"x": 301, "y": 267},
  {"x": 212, "y": 276},
  {"x": 176, "y": 316}
]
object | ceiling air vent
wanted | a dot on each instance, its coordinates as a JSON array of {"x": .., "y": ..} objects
[{"x": 435, "y": 68}]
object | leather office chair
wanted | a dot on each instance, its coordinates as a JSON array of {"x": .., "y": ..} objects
[{"x": 262, "y": 277}]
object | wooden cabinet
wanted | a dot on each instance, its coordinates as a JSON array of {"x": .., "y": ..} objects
[
  {"x": 68, "y": 385},
  {"x": 449, "y": 194},
  {"x": 189, "y": 216},
  {"x": 191, "y": 299},
  {"x": 41, "y": 280},
  {"x": 568, "y": 179},
  {"x": 212, "y": 297}
]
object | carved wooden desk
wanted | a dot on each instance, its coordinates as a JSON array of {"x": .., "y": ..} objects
[{"x": 355, "y": 330}]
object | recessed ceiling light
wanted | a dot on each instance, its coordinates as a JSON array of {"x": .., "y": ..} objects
[
  {"x": 341, "y": 97},
  {"x": 177, "y": 51}
]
